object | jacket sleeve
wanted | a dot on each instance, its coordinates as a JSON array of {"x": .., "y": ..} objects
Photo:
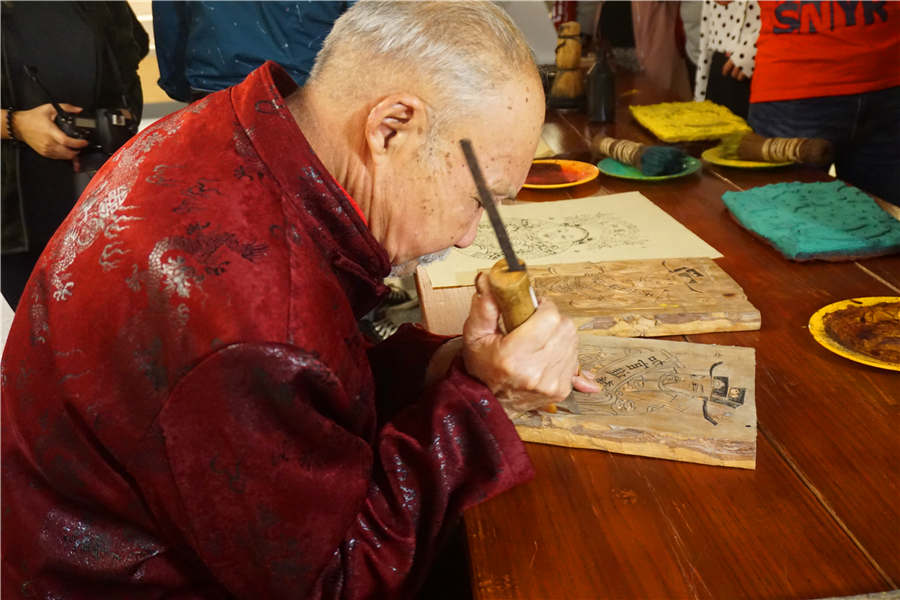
[
  {"x": 399, "y": 364},
  {"x": 170, "y": 34},
  {"x": 280, "y": 497}
]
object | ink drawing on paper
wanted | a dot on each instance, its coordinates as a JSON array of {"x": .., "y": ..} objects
[{"x": 594, "y": 229}]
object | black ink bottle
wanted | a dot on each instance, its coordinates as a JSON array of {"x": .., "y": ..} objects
[{"x": 601, "y": 88}]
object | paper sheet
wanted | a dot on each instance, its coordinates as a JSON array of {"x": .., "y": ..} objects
[
  {"x": 543, "y": 149},
  {"x": 594, "y": 229}
]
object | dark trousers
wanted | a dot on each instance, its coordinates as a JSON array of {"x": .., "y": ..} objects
[{"x": 864, "y": 128}]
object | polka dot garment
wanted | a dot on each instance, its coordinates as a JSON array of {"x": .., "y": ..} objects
[{"x": 733, "y": 28}]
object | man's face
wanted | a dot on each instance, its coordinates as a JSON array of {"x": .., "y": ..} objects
[{"x": 437, "y": 199}]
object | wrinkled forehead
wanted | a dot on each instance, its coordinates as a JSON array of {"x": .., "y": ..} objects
[{"x": 518, "y": 104}]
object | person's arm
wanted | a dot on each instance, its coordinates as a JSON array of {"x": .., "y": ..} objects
[
  {"x": 37, "y": 128},
  {"x": 170, "y": 33},
  {"x": 405, "y": 364},
  {"x": 140, "y": 36},
  {"x": 537, "y": 361},
  {"x": 284, "y": 486}
]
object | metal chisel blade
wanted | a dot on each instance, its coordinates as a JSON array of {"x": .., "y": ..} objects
[{"x": 487, "y": 201}]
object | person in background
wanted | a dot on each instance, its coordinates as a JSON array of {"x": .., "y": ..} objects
[
  {"x": 690, "y": 13},
  {"x": 728, "y": 32},
  {"x": 832, "y": 70},
  {"x": 612, "y": 28},
  {"x": 204, "y": 47},
  {"x": 655, "y": 26},
  {"x": 84, "y": 56},
  {"x": 188, "y": 406}
]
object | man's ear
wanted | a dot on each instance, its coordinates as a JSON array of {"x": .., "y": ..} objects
[{"x": 397, "y": 123}]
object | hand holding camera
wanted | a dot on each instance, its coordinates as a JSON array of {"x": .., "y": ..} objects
[
  {"x": 103, "y": 132},
  {"x": 38, "y": 128}
]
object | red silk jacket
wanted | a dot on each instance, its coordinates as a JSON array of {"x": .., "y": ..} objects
[{"x": 189, "y": 409}]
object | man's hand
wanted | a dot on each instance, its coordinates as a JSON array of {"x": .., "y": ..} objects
[
  {"x": 36, "y": 127},
  {"x": 532, "y": 366}
]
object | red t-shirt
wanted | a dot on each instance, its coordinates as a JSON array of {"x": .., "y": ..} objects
[{"x": 815, "y": 49}]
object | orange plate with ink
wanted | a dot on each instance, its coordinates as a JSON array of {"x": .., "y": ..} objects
[{"x": 552, "y": 173}]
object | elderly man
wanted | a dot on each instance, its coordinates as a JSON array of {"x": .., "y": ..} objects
[{"x": 188, "y": 406}]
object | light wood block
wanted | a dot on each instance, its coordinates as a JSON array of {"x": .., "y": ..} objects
[
  {"x": 675, "y": 400},
  {"x": 640, "y": 298},
  {"x": 647, "y": 298}
]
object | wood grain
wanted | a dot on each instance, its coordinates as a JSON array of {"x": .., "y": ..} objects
[
  {"x": 637, "y": 298},
  {"x": 647, "y": 298},
  {"x": 597, "y": 525},
  {"x": 674, "y": 400}
]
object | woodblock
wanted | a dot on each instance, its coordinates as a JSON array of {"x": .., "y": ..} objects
[
  {"x": 647, "y": 298},
  {"x": 637, "y": 298},
  {"x": 676, "y": 400}
]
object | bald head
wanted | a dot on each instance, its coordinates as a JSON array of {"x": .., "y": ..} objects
[{"x": 454, "y": 53}]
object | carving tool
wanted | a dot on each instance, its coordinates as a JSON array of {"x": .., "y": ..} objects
[{"x": 508, "y": 278}]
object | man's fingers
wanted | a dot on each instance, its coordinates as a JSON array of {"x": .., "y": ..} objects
[
  {"x": 583, "y": 384},
  {"x": 547, "y": 370},
  {"x": 540, "y": 326},
  {"x": 537, "y": 359},
  {"x": 484, "y": 312}
]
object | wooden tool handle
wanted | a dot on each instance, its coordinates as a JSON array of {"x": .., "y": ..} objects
[
  {"x": 514, "y": 294},
  {"x": 516, "y": 297},
  {"x": 624, "y": 151},
  {"x": 813, "y": 151}
]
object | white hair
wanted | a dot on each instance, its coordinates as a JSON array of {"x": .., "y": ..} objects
[{"x": 460, "y": 50}]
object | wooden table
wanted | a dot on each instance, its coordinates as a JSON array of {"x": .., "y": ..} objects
[{"x": 820, "y": 515}]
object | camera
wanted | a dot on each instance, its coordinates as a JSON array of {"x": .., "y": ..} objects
[{"x": 105, "y": 130}]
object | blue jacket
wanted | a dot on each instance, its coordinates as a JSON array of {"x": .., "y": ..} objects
[{"x": 209, "y": 46}]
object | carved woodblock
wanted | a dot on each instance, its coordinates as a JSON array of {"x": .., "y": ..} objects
[
  {"x": 676, "y": 400},
  {"x": 647, "y": 298}
]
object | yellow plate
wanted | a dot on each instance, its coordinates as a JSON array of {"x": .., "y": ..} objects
[
  {"x": 817, "y": 329},
  {"x": 555, "y": 173},
  {"x": 714, "y": 156}
]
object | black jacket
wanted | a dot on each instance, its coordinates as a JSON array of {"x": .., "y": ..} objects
[{"x": 73, "y": 45}]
